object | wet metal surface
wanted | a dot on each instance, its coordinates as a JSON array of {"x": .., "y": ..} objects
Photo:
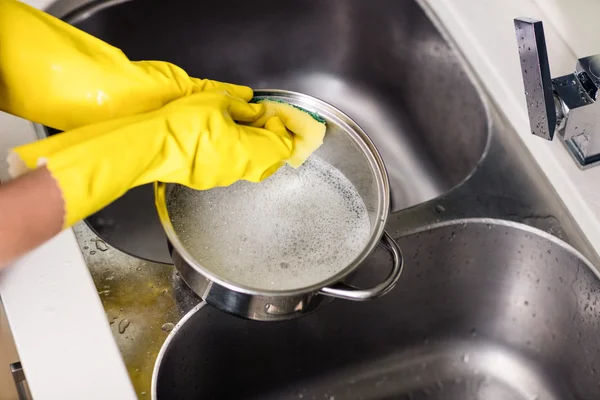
[
  {"x": 489, "y": 310},
  {"x": 139, "y": 297}
]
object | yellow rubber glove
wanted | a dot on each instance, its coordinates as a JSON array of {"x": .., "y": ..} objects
[
  {"x": 57, "y": 75},
  {"x": 193, "y": 141}
]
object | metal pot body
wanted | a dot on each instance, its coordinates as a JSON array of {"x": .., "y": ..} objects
[
  {"x": 345, "y": 147},
  {"x": 246, "y": 305}
]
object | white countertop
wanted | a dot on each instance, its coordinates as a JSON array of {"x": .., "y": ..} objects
[
  {"x": 58, "y": 323},
  {"x": 61, "y": 331}
]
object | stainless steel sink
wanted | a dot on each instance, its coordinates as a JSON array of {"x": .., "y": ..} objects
[
  {"x": 489, "y": 310},
  {"x": 450, "y": 155}
]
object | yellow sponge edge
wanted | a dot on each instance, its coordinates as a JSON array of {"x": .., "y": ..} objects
[{"x": 308, "y": 130}]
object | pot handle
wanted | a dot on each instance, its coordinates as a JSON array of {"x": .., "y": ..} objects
[{"x": 347, "y": 292}]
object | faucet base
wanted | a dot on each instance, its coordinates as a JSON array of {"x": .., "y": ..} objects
[{"x": 583, "y": 161}]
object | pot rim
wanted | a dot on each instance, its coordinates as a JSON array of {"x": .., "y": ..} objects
[{"x": 329, "y": 112}]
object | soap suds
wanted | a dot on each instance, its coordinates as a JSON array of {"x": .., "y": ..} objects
[{"x": 294, "y": 229}]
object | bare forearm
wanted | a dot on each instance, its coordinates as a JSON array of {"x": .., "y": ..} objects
[{"x": 31, "y": 212}]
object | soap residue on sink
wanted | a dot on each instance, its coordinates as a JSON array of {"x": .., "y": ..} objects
[{"x": 294, "y": 229}]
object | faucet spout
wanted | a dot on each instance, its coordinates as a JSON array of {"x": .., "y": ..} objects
[{"x": 566, "y": 104}]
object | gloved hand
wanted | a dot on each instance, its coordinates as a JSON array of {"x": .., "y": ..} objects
[
  {"x": 57, "y": 75},
  {"x": 193, "y": 141}
]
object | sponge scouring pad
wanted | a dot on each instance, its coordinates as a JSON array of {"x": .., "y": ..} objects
[{"x": 307, "y": 127}]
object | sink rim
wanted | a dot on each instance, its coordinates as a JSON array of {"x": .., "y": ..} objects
[{"x": 510, "y": 224}]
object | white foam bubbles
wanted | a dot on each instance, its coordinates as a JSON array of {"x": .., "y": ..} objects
[{"x": 294, "y": 229}]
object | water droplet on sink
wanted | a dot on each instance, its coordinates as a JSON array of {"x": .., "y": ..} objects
[
  {"x": 439, "y": 208},
  {"x": 465, "y": 358},
  {"x": 101, "y": 245},
  {"x": 123, "y": 325},
  {"x": 168, "y": 327}
]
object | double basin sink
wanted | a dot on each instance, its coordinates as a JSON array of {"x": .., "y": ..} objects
[{"x": 498, "y": 299}]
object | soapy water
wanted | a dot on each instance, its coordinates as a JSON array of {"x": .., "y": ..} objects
[{"x": 294, "y": 229}]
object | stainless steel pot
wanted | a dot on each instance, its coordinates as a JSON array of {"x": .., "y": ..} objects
[{"x": 347, "y": 148}]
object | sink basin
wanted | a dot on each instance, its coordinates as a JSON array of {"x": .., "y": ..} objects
[
  {"x": 381, "y": 62},
  {"x": 488, "y": 310}
]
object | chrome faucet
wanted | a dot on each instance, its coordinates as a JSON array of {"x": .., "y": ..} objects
[{"x": 566, "y": 104}]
